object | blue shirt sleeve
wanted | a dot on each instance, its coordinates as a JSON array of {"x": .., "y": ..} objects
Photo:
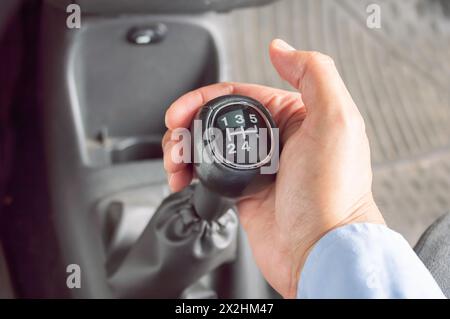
[{"x": 365, "y": 261}]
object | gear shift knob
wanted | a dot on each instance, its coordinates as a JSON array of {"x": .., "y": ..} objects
[{"x": 233, "y": 139}]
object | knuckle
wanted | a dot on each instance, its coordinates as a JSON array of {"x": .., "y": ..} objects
[
  {"x": 318, "y": 58},
  {"x": 227, "y": 86}
]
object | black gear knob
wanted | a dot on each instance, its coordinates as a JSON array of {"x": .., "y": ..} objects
[{"x": 235, "y": 146}]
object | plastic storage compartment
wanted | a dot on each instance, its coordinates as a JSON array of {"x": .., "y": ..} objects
[{"x": 124, "y": 88}]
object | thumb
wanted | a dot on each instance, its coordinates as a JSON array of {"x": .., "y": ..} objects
[{"x": 315, "y": 76}]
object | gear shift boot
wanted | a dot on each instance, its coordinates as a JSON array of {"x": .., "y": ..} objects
[{"x": 157, "y": 266}]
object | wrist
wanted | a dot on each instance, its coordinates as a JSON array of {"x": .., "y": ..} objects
[{"x": 365, "y": 211}]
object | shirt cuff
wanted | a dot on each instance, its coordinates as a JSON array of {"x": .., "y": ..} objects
[{"x": 365, "y": 261}]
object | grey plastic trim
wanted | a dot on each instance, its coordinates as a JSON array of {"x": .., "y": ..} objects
[{"x": 157, "y": 6}]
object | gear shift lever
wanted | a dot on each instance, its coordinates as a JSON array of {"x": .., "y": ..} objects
[{"x": 232, "y": 141}]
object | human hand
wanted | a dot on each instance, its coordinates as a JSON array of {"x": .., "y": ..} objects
[{"x": 324, "y": 178}]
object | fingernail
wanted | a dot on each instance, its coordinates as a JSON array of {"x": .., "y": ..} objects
[{"x": 283, "y": 45}]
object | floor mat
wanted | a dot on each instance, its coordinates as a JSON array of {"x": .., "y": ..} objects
[{"x": 399, "y": 76}]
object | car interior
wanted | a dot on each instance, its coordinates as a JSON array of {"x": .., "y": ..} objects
[{"x": 82, "y": 111}]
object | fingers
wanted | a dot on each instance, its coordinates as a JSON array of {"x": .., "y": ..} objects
[
  {"x": 169, "y": 140},
  {"x": 180, "y": 115},
  {"x": 179, "y": 180},
  {"x": 179, "y": 174},
  {"x": 315, "y": 76},
  {"x": 182, "y": 111},
  {"x": 166, "y": 138},
  {"x": 280, "y": 103},
  {"x": 283, "y": 105},
  {"x": 170, "y": 165}
]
